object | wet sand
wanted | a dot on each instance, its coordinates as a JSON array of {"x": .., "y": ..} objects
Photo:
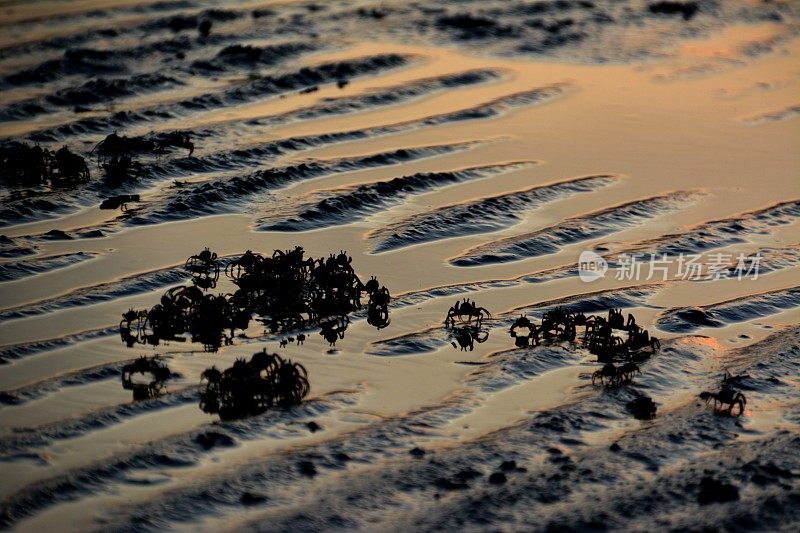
[{"x": 463, "y": 158}]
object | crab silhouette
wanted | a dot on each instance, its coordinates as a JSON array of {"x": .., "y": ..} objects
[
  {"x": 466, "y": 312},
  {"x": 727, "y": 396},
  {"x": 466, "y": 337},
  {"x": 67, "y": 168},
  {"x": 558, "y": 325},
  {"x": 611, "y": 375},
  {"x": 152, "y": 377},
  {"x": 121, "y": 168},
  {"x": 175, "y": 139},
  {"x": 117, "y": 154},
  {"x": 27, "y": 165},
  {"x": 204, "y": 268},
  {"x": 532, "y": 335},
  {"x": 23, "y": 164},
  {"x": 131, "y": 326},
  {"x": 333, "y": 329},
  {"x": 119, "y": 201},
  {"x": 378, "y": 307}
]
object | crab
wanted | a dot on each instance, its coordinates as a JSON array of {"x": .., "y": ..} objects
[
  {"x": 378, "y": 316},
  {"x": 726, "y": 396},
  {"x": 467, "y": 336},
  {"x": 615, "y": 319},
  {"x": 243, "y": 269},
  {"x": 118, "y": 169},
  {"x": 119, "y": 202},
  {"x": 204, "y": 262},
  {"x": 467, "y": 309},
  {"x": 607, "y": 347},
  {"x": 639, "y": 338},
  {"x": 642, "y": 408},
  {"x": 378, "y": 307},
  {"x": 115, "y": 145},
  {"x": 611, "y": 375},
  {"x": 631, "y": 324},
  {"x": 608, "y": 372},
  {"x": 208, "y": 321},
  {"x": 627, "y": 371},
  {"x": 204, "y": 268},
  {"x": 210, "y": 380},
  {"x": 333, "y": 329},
  {"x": 600, "y": 339},
  {"x": 175, "y": 139},
  {"x": 185, "y": 309},
  {"x": 155, "y": 375},
  {"x": 372, "y": 285},
  {"x": 66, "y": 167},
  {"x": 131, "y": 326},
  {"x": 523, "y": 341},
  {"x": 558, "y": 324},
  {"x": 28, "y": 165}
]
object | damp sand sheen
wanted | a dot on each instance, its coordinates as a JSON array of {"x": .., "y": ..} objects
[{"x": 452, "y": 174}]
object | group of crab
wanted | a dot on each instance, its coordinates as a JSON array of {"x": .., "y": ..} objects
[
  {"x": 557, "y": 325},
  {"x": 26, "y": 165},
  {"x": 291, "y": 291},
  {"x": 600, "y": 337},
  {"x": 209, "y": 319},
  {"x": 465, "y": 319},
  {"x": 204, "y": 268},
  {"x": 286, "y": 290},
  {"x": 23, "y": 164},
  {"x": 246, "y": 388},
  {"x": 251, "y": 387},
  {"x": 117, "y": 154}
]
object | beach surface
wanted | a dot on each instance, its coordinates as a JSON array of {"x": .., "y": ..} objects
[{"x": 454, "y": 150}]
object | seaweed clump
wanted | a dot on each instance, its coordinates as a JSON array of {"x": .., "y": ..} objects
[{"x": 251, "y": 387}]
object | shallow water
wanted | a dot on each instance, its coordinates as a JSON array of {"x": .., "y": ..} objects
[{"x": 466, "y": 157}]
